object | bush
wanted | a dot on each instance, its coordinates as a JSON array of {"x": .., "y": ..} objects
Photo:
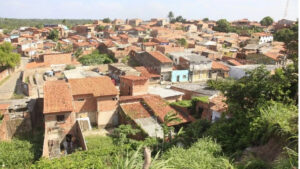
[
  {"x": 182, "y": 103},
  {"x": 69, "y": 67},
  {"x": 16, "y": 154},
  {"x": 204, "y": 154},
  {"x": 95, "y": 58}
]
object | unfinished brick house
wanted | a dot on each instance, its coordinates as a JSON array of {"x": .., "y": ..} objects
[
  {"x": 133, "y": 85},
  {"x": 92, "y": 98},
  {"x": 156, "y": 62},
  {"x": 147, "y": 112}
]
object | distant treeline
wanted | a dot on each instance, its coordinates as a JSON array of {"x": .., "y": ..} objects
[{"x": 9, "y": 24}]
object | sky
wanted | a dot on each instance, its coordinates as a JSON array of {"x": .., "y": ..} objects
[{"x": 254, "y": 10}]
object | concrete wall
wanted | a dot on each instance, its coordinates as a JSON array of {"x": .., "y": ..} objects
[{"x": 180, "y": 76}]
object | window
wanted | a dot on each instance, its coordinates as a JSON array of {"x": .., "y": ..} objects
[
  {"x": 184, "y": 76},
  {"x": 114, "y": 98},
  {"x": 60, "y": 118},
  {"x": 81, "y": 99}
]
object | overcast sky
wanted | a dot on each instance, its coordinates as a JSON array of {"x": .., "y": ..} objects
[{"x": 146, "y": 9}]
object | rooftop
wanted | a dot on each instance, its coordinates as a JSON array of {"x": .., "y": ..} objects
[
  {"x": 164, "y": 92},
  {"x": 57, "y": 97}
]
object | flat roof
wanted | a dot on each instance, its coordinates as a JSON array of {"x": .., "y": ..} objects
[
  {"x": 199, "y": 88},
  {"x": 163, "y": 92}
]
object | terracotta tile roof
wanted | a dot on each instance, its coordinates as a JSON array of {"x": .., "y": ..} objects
[
  {"x": 145, "y": 72},
  {"x": 261, "y": 34},
  {"x": 219, "y": 66},
  {"x": 218, "y": 104},
  {"x": 134, "y": 78},
  {"x": 4, "y": 106},
  {"x": 98, "y": 86},
  {"x": 273, "y": 55},
  {"x": 57, "y": 97},
  {"x": 150, "y": 43},
  {"x": 161, "y": 108},
  {"x": 160, "y": 57},
  {"x": 135, "y": 110},
  {"x": 234, "y": 62}
]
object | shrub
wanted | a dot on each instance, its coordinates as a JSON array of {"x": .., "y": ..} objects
[
  {"x": 183, "y": 103},
  {"x": 69, "y": 67}
]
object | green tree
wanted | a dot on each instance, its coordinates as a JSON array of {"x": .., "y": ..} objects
[
  {"x": 182, "y": 42},
  {"x": 222, "y": 25},
  {"x": 205, "y": 19},
  {"x": 64, "y": 22},
  {"x": 53, "y": 35},
  {"x": 95, "y": 58},
  {"x": 78, "y": 52},
  {"x": 284, "y": 35},
  {"x": 179, "y": 19},
  {"x": 267, "y": 21},
  {"x": 171, "y": 16},
  {"x": 100, "y": 28},
  {"x": 8, "y": 58},
  {"x": 106, "y": 20}
]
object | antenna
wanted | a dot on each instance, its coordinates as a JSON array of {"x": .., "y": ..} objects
[{"x": 286, "y": 9}]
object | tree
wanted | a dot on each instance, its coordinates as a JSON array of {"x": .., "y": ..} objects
[
  {"x": 182, "y": 42},
  {"x": 95, "y": 58},
  {"x": 106, "y": 20},
  {"x": 100, "y": 28},
  {"x": 267, "y": 21},
  {"x": 78, "y": 52},
  {"x": 8, "y": 58},
  {"x": 179, "y": 19},
  {"x": 64, "y": 22},
  {"x": 53, "y": 35},
  {"x": 222, "y": 26},
  {"x": 205, "y": 19},
  {"x": 171, "y": 16}
]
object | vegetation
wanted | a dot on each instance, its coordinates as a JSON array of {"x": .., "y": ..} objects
[
  {"x": 204, "y": 99},
  {"x": 183, "y": 103},
  {"x": 95, "y": 58},
  {"x": 203, "y": 154},
  {"x": 267, "y": 21},
  {"x": 223, "y": 25},
  {"x": 182, "y": 42},
  {"x": 8, "y": 58},
  {"x": 171, "y": 16},
  {"x": 205, "y": 19},
  {"x": 69, "y": 67},
  {"x": 106, "y": 20},
  {"x": 9, "y": 24},
  {"x": 53, "y": 35}
]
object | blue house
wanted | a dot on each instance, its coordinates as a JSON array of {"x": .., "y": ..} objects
[{"x": 180, "y": 76}]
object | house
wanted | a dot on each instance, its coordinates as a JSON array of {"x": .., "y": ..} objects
[
  {"x": 219, "y": 69},
  {"x": 149, "y": 46},
  {"x": 199, "y": 67},
  {"x": 56, "y": 58},
  {"x": 133, "y": 85},
  {"x": 283, "y": 23},
  {"x": 156, "y": 62},
  {"x": 262, "y": 37},
  {"x": 118, "y": 22},
  {"x": 134, "y": 22},
  {"x": 115, "y": 70},
  {"x": 169, "y": 95},
  {"x": 148, "y": 113},
  {"x": 191, "y": 90},
  {"x": 62, "y": 132},
  {"x": 180, "y": 76},
  {"x": 85, "y": 30},
  {"x": 153, "y": 78}
]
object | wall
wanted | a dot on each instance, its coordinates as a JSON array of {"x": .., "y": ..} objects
[
  {"x": 107, "y": 115},
  {"x": 88, "y": 104},
  {"x": 65, "y": 58},
  {"x": 182, "y": 74}
]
